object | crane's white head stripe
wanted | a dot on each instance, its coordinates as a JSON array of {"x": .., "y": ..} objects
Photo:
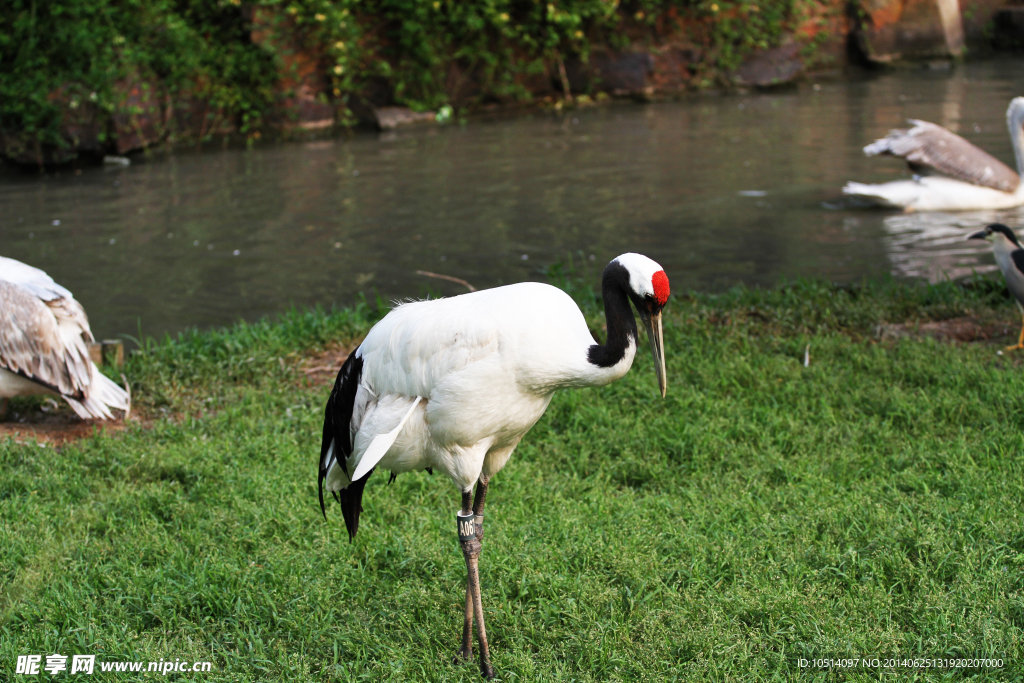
[{"x": 641, "y": 272}]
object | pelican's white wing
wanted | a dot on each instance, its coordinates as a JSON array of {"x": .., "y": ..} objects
[{"x": 32, "y": 279}]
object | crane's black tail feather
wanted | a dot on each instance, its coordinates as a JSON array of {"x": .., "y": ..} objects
[
  {"x": 336, "y": 444},
  {"x": 351, "y": 499}
]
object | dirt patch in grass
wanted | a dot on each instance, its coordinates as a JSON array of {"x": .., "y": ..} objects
[
  {"x": 964, "y": 329},
  {"x": 322, "y": 367},
  {"x": 55, "y": 427}
]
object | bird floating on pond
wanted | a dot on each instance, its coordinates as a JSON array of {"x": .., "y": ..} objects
[
  {"x": 968, "y": 179},
  {"x": 453, "y": 384},
  {"x": 1010, "y": 259},
  {"x": 44, "y": 338}
]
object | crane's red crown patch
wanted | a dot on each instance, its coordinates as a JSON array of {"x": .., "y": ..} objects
[{"x": 660, "y": 283}]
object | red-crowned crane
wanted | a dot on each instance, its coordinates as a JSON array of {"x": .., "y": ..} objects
[
  {"x": 454, "y": 384},
  {"x": 44, "y": 337}
]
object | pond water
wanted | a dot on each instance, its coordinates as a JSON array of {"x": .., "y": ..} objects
[{"x": 720, "y": 189}]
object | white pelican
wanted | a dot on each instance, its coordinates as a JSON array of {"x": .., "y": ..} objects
[
  {"x": 973, "y": 179},
  {"x": 454, "y": 384},
  {"x": 44, "y": 337}
]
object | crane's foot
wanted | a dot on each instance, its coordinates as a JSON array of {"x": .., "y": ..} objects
[
  {"x": 462, "y": 656},
  {"x": 487, "y": 671}
]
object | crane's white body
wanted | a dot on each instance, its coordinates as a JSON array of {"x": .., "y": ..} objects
[
  {"x": 484, "y": 367},
  {"x": 44, "y": 336}
]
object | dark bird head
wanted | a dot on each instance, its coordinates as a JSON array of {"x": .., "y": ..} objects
[{"x": 994, "y": 232}]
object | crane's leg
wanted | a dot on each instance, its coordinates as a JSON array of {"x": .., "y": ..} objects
[
  {"x": 465, "y": 652},
  {"x": 3, "y": 408},
  {"x": 471, "y": 551},
  {"x": 1020, "y": 342}
]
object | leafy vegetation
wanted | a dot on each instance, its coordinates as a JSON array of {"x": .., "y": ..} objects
[
  {"x": 76, "y": 52},
  {"x": 70, "y": 53},
  {"x": 866, "y": 504}
]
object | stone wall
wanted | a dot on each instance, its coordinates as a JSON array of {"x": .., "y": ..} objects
[{"x": 880, "y": 31}]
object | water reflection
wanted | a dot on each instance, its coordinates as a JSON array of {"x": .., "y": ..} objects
[
  {"x": 934, "y": 246},
  {"x": 719, "y": 189}
]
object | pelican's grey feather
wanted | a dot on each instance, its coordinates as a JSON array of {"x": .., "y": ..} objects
[
  {"x": 44, "y": 344},
  {"x": 31, "y": 344},
  {"x": 930, "y": 146}
]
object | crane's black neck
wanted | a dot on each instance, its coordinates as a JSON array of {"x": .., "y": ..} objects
[{"x": 618, "y": 315}]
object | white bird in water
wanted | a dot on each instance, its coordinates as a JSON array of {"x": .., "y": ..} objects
[
  {"x": 970, "y": 178},
  {"x": 44, "y": 338},
  {"x": 454, "y": 384}
]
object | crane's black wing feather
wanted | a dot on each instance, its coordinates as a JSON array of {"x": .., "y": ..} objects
[{"x": 338, "y": 431}]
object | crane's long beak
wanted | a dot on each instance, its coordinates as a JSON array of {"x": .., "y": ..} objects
[
  {"x": 654, "y": 335},
  {"x": 980, "y": 235}
]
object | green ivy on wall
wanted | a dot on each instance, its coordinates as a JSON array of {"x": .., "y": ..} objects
[{"x": 204, "y": 48}]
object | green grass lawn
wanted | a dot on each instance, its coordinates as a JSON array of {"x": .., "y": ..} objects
[{"x": 869, "y": 504}]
